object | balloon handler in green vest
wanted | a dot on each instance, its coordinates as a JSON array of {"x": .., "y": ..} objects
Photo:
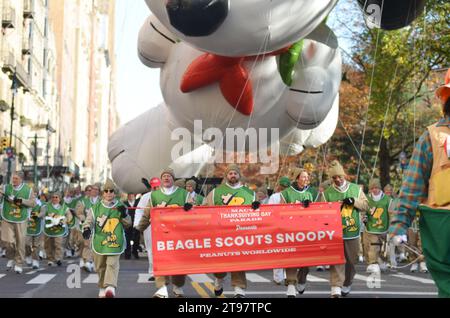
[
  {"x": 105, "y": 222},
  {"x": 376, "y": 226},
  {"x": 35, "y": 232},
  {"x": 232, "y": 192},
  {"x": 57, "y": 216},
  {"x": 169, "y": 195},
  {"x": 354, "y": 201},
  {"x": 298, "y": 193},
  {"x": 91, "y": 197},
  {"x": 426, "y": 188},
  {"x": 17, "y": 200}
]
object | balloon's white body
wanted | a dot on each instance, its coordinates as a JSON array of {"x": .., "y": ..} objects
[{"x": 143, "y": 147}]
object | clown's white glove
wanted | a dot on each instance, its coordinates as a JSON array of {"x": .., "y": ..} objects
[{"x": 399, "y": 239}]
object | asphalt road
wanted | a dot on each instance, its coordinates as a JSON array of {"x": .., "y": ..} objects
[{"x": 68, "y": 281}]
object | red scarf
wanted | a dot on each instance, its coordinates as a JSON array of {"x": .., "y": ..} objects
[{"x": 230, "y": 72}]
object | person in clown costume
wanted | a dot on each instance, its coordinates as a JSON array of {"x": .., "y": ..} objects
[
  {"x": 105, "y": 222},
  {"x": 426, "y": 188}
]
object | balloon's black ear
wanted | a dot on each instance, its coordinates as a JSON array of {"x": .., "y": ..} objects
[{"x": 391, "y": 14}]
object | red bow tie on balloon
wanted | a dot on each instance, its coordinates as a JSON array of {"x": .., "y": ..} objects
[{"x": 229, "y": 72}]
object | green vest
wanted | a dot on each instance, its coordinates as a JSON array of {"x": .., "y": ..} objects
[
  {"x": 57, "y": 230},
  {"x": 72, "y": 206},
  {"x": 225, "y": 195},
  {"x": 291, "y": 195},
  {"x": 378, "y": 217},
  {"x": 109, "y": 235},
  {"x": 11, "y": 212},
  {"x": 351, "y": 224},
  {"x": 314, "y": 192},
  {"x": 35, "y": 226},
  {"x": 199, "y": 199},
  {"x": 176, "y": 199},
  {"x": 87, "y": 203}
]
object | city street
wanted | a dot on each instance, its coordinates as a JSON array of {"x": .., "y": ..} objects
[{"x": 133, "y": 283}]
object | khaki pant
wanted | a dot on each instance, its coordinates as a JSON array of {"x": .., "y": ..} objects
[
  {"x": 296, "y": 276},
  {"x": 178, "y": 281},
  {"x": 238, "y": 279},
  {"x": 85, "y": 250},
  {"x": 33, "y": 245},
  {"x": 14, "y": 236},
  {"x": 365, "y": 243},
  {"x": 54, "y": 248},
  {"x": 107, "y": 268},
  {"x": 76, "y": 241},
  {"x": 414, "y": 241},
  {"x": 342, "y": 275},
  {"x": 374, "y": 248}
]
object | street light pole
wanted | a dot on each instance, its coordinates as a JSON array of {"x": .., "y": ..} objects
[
  {"x": 35, "y": 160},
  {"x": 14, "y": 91}
]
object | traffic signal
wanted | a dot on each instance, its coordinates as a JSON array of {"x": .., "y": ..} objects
[{"x": 4, "y": 143}]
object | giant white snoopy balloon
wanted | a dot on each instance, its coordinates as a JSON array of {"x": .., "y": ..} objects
[{"x": 230, "y": 65}]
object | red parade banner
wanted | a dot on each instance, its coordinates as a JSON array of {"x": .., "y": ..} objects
[{"x": 238, "y": 238}]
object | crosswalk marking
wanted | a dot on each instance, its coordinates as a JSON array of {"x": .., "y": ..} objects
[
  {"x": 327, "y": 293},
  {"x": 91, "y": 279},
  {"x": 35, "y": 271},
  {"x": 366, "y": 278},
  {"x": 315, "y": 279},
  {"x": 201, "y": 278},
  {"x": 417, "y": 279},
  {"x": 255, "y": 278},
  {"x": 143, "y": 279},
  {"x": 41, "y": 279}
]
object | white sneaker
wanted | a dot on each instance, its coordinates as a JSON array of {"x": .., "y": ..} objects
[
  {"x": 336, "y": 292},
  {"x": 327, "y": 267},
  {"x": 110, "y": 292},
  {"x": 42, "y": 254},
  {"x": 383, "y": 266},
  {"x": 3, "y": 252},
  {"x": 28, "y": 260},
  {"x": 218, "y": 287},
  {"x": 291, "y": 291},
  {"x": 346, "y": 290},
  {"x": 278, "y": 276},
  {"x": 161, "y": 293},
  {"x": 81, "y": 263},
  {"x": 68, "y": 253},
  {"x": 402, "y": 257},
  {"x": 361, "y": 259},
  {"x": 9, "y": 265},
  {"x": 50, "y": 264},
  {"x": 373, "y": 268},
  {"x": 320, "y": 268},
  {"x": 89, "y": 267},
  {"x": 414, "y": 268},
  {"x": 178, "y": 292},
  {"x": 239, "y": 292},
  {"x": 301, "y": 288},
  {"x": 35, "y": 264},
  {"x": 102, "y": 293},
  {"x": 18, "y": 269},
  {"x": 423, "y": 267}
]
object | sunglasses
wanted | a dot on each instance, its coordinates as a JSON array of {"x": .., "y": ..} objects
[{"x": 108, "y": 191}]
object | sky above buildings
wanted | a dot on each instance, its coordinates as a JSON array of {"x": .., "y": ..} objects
[{"x": 138, "y": 86}]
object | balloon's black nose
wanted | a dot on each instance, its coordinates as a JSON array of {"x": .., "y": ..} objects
[{"x": 197, "y": 17}]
